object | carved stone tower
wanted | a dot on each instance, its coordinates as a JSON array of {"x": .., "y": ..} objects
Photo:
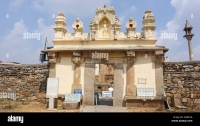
[
  {"x": 148, "y": 25},
  {"x": 130, "y": 28},
  {"x": 78, "y": 28},
  {"x": 105, "y": 25},
  {"x": 59, "y": 29}
]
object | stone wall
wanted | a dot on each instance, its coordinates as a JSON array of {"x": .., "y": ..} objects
[
  {"x": 182, "y": 83},
  {"x": 26, "y": 81}
]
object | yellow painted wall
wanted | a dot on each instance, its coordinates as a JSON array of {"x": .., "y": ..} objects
[
  {"x": 65, "y": 73},
  {"x": 144, "y": 68}
]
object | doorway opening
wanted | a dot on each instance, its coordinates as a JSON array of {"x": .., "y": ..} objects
[{"x": 104, "y": 84}]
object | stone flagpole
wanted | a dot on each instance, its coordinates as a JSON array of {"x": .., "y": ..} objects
[{"x": 188, "y": 35}]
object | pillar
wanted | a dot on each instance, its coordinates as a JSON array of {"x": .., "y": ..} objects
[
  {"x": 77, "y": 60},
  {"x": 118, "y": 85},
  {"x": 130, "y": 85},
  {"x": 159, "y": 57},
  {"x": 89, "y": 76}
]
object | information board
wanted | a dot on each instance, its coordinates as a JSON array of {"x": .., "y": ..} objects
[
  {"x": 106, "y": 93},
  {"x": 52, "y": 88},
  {"x": 77, "y": 91},
  {"x": 72, "y": 97},
  {"x": 145, "y": 92}
]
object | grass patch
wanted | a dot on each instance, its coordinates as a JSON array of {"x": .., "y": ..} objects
[{"x": 12, "y": 104}]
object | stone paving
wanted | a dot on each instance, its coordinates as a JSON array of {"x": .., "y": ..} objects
[{"x": 103, "y": 108}]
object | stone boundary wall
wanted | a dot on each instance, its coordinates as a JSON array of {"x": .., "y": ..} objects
[
  {"x": 25, "y": 81},
  {"x": 182, "y": 83},
  {"x": 181, "y": 79}
]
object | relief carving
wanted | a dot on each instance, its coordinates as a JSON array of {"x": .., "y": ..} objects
[
  {"x": 130, "y": 59},
  {"x": 103, "y": 23},
  {"x": 76, "y": 58},
  {"x": 105, "y": 29},
  {"x": 52, "y": 60}
]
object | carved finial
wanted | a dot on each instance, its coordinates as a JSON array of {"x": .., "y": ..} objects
[
  {"x": 61, "y": 14},
  {"x": 105, "y": 6},
  {"x": 77, "y": 19}
]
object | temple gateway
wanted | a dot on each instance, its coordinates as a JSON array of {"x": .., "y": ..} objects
[{"x": 128, "y": 62}]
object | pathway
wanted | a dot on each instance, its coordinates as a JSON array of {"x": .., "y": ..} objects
[{"x": 103, "y": 108}]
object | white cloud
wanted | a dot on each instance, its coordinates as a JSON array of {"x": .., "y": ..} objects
[
  {"x": 25, "y": 51},
  {"x": 78, "y": 8},
  {"x": 14, "y": 44},
  {"x": 14, "y": 4},
  {"x": 197, "y": 52},
  {"x": 122, "y": 19},
  {"x": 132, "y": 9},
  {"x": 184, "y": 55},
  {"x": 126, "y": 13},
  {"x": 184, "y": 9},
  {"x": 45, "y": 31}
]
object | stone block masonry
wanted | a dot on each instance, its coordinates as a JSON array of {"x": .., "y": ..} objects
[
  {"x": 30, "y": 82},
  {"x": 26, "y": 81},
  {"x": 183, "y": 79}
]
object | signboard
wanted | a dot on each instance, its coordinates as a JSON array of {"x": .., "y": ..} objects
[
  {"x": 106, "y": 93},
  {"x": 77, "y": 91},
  {"x": 141, "y": 81},
  {"x": 72, "y": 97},
  {"x": 52, "y": 88},
  {"x": 145, "y": 92}
]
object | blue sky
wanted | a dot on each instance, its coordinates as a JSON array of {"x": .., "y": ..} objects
[{"x": 38, "y": 16}]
